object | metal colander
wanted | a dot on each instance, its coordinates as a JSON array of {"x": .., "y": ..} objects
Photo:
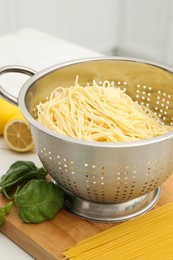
[{"x": 103, "y": 181}]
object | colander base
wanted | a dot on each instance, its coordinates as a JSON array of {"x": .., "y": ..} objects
[{"x": 111, "y": 212}]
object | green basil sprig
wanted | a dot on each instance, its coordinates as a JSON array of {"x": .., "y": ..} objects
[
  {"x": 19, "y": 171},
  {"x": 37, "y": 200}
]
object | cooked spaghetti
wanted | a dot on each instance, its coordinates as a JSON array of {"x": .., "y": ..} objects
[
  {"x": 98, "y": 113},
  {"x": 146, "y": 237}
]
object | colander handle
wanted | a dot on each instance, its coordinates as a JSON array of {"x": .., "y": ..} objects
[{"x": 11, "y": 69}]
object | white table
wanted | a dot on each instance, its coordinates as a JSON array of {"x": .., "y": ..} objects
[{"x": 36, "y": 50}]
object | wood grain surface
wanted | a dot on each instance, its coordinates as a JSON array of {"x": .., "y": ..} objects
[{"x": 48, "y": 239}]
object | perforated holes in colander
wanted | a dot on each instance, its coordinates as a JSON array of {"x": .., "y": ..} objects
[
  {"x": 154, "y": 175},
  {"x": 64, "y": 173},
  {"x": 125, "y": 179},
  {"x": 91, "y": 181},
  {"x": 67, "y": 172},
  {"x": 162, "y": 104},
  {"x": 143, "y": 94},
  {"x": 95, "y": 181}
]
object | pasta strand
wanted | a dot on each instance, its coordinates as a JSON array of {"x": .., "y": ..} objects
[
  {"x": 98, "y": 113},
  {"x": 148, "y": 236}
]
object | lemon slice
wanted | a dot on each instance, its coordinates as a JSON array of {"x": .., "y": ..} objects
[{"x": 17, "y": 134}]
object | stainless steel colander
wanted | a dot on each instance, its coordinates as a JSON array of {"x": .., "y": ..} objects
[{"x": 103, "y": 181}]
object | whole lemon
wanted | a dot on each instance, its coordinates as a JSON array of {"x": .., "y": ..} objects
[{"x": 7, "y": 110}]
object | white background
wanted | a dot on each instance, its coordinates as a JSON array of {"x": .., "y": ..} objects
[{"x": 135, "y": 28}]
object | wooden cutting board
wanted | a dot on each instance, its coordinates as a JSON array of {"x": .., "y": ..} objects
[{"x": 47, "y": 240}]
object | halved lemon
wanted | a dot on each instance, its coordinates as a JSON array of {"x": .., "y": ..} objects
[{"x": 17, "y": 134}]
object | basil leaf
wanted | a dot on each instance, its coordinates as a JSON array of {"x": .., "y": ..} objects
[
  {"x": 5, "y": 210},
  {"x": 38, "y": 201},
  {"x": 19, "y": 171},
  {"x": 8, "y": 207}
]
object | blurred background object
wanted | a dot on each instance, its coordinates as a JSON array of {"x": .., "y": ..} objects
[{"x": 133, "y": 28}]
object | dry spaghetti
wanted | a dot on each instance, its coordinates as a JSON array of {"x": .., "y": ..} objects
[
  {"x": 98, "y": 113},
  {"x": 146, "y": 237}
]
